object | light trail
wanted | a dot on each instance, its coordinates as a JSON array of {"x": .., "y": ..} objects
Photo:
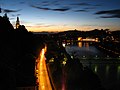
[{"x": 42, "y": 74}]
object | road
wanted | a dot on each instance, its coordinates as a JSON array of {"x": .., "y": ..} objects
[{"x": 41, "y": 72}]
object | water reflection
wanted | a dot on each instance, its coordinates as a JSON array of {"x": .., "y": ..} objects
[
  {"x": 83, "y": 49},
  {"x": 109, "y": 74},
  {"x": 107, "y": 68},
  {"x": 86, "y": 44},
  {"x": 80, "y": 44},
  {"x": 118, "y": 72},
  {"x": 95, "y": 68}
]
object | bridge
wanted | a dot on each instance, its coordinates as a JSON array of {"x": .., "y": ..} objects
[{"x": 87, "y": 39}]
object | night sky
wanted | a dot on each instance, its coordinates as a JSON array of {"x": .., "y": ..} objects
[{"x": 61, "y": 15}]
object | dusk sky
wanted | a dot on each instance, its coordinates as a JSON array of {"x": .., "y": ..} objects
[{"x": 62, "y": 15}]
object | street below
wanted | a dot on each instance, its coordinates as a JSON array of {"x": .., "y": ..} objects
[{"x": 42, "y": 81}]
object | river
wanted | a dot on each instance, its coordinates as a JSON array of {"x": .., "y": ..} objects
[{"x": 106, "y": 67}]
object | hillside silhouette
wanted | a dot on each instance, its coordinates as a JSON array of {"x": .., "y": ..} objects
[{"x": 18, "y": 51}]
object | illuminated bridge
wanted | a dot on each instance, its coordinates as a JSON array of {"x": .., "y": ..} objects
[{"x": 88, "y": 39}]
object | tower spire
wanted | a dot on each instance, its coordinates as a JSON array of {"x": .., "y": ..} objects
[{"x": 17, "y": 23}]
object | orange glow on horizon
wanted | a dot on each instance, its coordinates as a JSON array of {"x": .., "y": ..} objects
[
  {"x": 65, "y": 28},
  {"x": 55, "y": 29}
]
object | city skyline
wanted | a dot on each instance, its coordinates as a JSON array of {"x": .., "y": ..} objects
[{"x": 56, "y": 16}]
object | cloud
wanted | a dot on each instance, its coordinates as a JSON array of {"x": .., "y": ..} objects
[
  {"x": 45, "y": 2},
  {"x": 82, "y": 10},
  {"x": 22, "y": 2},
  {"x": 43, "y": 25},
  {"x": 109, "y": 13},
  {"x": 18, "y": 14},
  {"x": 9, "y": 10},
  {"x": 112, "y": 16},
  {"x": 56, "y": 9},
  {"x": 90, "y": 8},
  {"x": 82, "y": 4},
  {"x": 44, "y": 8},
  {"x": 11, "y": 18},
  {"x": 56, "y": 2},
  {"x": 98, "y": 5},
  {"x": 40, "y": 26},
  {"x": 117, "y": 11},
  {"x": 48, "y": 3},
  {"x": 40, "y": 7},
  {"x": 14, "y": 15},
  {"x": 61, "y": 9}
]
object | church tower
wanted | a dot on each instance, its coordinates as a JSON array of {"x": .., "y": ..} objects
[{"x": 17, "y": 23}]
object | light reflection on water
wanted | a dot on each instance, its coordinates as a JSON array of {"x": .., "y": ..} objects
[
  {"x": 96, "y": 68},
  {"x": 83, "y": 49},
  {"x": 107, "y": 70},
  {"x": 109, "y": 74},
  {"x": 118, "y": 72}
]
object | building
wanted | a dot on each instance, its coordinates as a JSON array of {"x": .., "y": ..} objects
[{"x": 17, "y": 23}]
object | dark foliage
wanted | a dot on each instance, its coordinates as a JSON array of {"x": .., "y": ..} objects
[{"x": 18, "y": 51}]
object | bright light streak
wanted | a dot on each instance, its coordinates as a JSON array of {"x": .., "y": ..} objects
[
  {"x": 43, "y": 78},
  {"x": 79, "y": 38},
  {"x": 42, "y": 54},
  {"x": 96, "y": 69},
  {"x": 64, "y": 62},
  {"x": 63, "y": 44}
]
